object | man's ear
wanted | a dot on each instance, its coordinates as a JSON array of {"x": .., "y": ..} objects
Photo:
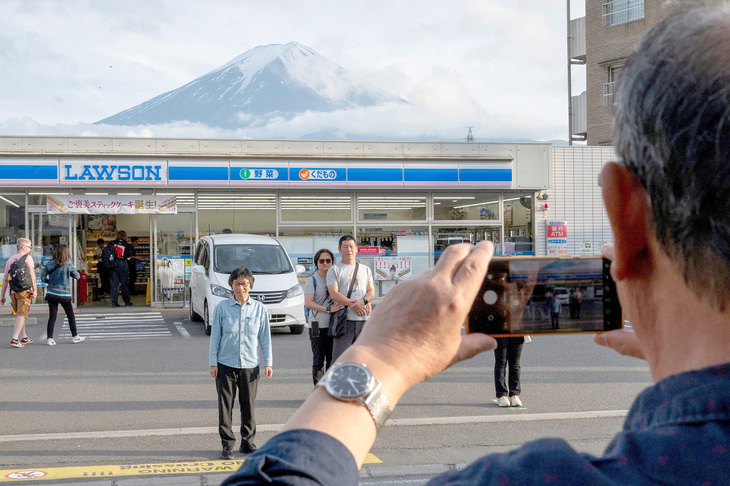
[{"x": 627, "y": 205}]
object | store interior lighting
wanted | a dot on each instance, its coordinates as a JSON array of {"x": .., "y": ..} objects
[{"x": 9, "y": 201}]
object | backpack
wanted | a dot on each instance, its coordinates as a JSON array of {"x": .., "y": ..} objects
[
  {"x": 19, "y": 275},
  {"x": 108, "y": 256},
  {"x": 306, "y": 309}
]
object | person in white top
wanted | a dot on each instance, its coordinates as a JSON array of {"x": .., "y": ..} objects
[{"x": 339, "y": 278}]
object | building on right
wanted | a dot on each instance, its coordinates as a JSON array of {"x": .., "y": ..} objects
[{"x": 603, "y": 40}]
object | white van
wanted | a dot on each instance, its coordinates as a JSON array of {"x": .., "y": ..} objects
[{"x": 275, "y": 285}]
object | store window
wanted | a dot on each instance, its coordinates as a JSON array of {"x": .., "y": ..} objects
[
  {"x": 393, "y": 254},
  {"x": 446, "y": 236},
  {"x": 224, "y": 212},
  {"x": 389, "y": 207},
  {"x": 39, "y": 198},
  {"x": 302, "y": 242},
  {"x": 322, "y": 206},
  {"x": 518, "y": 224},
  {"x": 477, "y": 206},
  {"x": 12, "y": 221}
]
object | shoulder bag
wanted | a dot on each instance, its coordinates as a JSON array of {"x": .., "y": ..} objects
[{"x": 338, "y": 321}]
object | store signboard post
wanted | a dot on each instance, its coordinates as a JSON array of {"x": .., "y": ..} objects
[{"x": 557, "y": 238}]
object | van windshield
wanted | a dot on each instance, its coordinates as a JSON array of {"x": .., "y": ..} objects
[{"x": 260, "y": 259}]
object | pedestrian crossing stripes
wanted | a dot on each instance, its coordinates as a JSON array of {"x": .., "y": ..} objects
[{"x": 119, "y": 326}]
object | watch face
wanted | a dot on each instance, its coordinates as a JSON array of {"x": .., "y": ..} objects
[{"x": 349, "y": 381}]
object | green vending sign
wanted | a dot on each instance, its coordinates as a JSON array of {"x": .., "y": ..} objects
[{"x": 245, "y": 173}]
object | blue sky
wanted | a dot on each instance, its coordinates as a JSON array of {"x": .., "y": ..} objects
[{"x": 496, "y": 65}]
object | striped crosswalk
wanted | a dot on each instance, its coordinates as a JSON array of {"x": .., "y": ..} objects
[{"x": 119, "y": 326}]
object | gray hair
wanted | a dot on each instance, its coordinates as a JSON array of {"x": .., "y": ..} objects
[
  {"x": 672, "y": 129},
  {"x": 22, "y": 242}
]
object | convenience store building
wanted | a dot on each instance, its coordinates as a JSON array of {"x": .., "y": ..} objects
[{"x": 404, "y": 202}]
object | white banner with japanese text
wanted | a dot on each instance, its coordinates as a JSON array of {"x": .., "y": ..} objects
[
  {"x": 83, "y": 204},
  {"x": 393, "y": 268}
]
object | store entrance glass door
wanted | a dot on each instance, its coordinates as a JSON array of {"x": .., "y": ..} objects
[
  {"x": 47, "y": 232},
  {"x": 174, "y": 238}
]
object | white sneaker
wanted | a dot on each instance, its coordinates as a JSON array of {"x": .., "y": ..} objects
[
  {"x": 503, "y": 402},
  {"x": 50, "y": 342},
  {"x": 78, "y": 339},
  {"x": 515, "y": 401}
]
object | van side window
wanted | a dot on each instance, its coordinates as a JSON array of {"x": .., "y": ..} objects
[
  {"x": 205, "y": 258},
  {"x": 198, "y": 251}
]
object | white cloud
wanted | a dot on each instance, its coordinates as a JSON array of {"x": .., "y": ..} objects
[{"x": 496, "y": 65}]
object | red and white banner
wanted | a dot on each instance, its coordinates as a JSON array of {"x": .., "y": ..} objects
[
  {"x": 82, "y": 204},
  {"x": 556, "y": 235}
]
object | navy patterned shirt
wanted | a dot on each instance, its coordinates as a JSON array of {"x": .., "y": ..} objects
[{"x": 677, "y": 432}]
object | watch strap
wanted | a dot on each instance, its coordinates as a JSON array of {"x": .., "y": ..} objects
[{"x": 380, "y": 408}]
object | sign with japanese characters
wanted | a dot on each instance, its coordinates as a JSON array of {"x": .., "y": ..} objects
[
  {"x": 82, "y": 204},
  {"x": 393, "y": 268},
  {"x": 557, "y": 238}
]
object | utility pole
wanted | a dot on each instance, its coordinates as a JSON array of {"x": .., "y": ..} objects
[{"x": 570, "y": 84}]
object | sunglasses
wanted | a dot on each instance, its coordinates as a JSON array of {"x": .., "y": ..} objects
[{"x": 325, "y": 260}]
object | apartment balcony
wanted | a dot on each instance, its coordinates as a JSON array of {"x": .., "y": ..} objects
[
  {"x": 580, "y": 117},
  {"x": 617, "y": 12},
  {"x": 577, "y": 45}
]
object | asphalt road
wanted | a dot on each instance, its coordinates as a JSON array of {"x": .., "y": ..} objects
[{"x": 116, "y": 400}]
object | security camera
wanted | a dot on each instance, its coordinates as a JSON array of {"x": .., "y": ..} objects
[{"x": 542, "y": 197}]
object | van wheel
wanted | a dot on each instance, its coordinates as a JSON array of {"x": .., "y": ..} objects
[
  {"x": 206, "y": 320},
  {"x": 194, "y": 316},
  {"x": 296, "y": 329}
]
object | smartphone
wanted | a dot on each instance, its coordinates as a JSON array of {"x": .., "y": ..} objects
[
  {"x": 546, "y": 296},
  {"x": 315, "y": 329}
]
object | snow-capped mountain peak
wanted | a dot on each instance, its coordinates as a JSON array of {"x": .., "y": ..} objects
[{"x": 271, "y": 80}]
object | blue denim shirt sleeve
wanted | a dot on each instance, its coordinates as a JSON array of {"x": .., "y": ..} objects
[
  {"x": 677, "y": 432},
  {"x": 215, "y": 336},
  {"x": 298, "y": 457},
  {"x": 265, "y": 339}
]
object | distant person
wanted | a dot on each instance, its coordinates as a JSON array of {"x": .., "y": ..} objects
[
  {"x": 121, "y": 252},
  {"x": 132, "y": 262},
  {"x": 350, "y": 285},
  {"x": 507, "y": 355},
  {"x": 22, "y": 290},
  {"x": 239, "y": 328},
  {"x": 665, "y": 200},
  {"x": 572, "y": 303},
  {"x": 578, "y": 302},
  {"x": 58, "y": 274},
  {"x": 100, "y": 268},
  {"x": 555, "y": 308},
  {"x": 321, "y": 306}
]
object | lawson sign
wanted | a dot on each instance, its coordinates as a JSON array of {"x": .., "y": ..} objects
[{"x": 93, "y": 172}]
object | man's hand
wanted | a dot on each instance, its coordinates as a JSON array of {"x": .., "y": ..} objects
[
  {"x": 214, "y": 372},
  {"x": 622, "y": 341},
  {"x": 2, "y": 300},
  {"x": 416, "y": 330},
  {"x": 268, "y": 371}
]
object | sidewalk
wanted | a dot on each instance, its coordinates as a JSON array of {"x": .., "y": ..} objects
[{"x": 40, "y": 315}]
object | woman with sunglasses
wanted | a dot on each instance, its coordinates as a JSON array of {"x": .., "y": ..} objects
[{"x": 320, "y": 307}]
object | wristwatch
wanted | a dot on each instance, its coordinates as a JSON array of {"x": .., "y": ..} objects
[
  {"x": 329, "y": 309},
  {"x": 365, "y": 301},
  {"x": 351, "y": 382}
]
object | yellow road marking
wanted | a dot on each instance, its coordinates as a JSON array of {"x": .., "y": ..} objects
[{"x": 154, "y": 469}]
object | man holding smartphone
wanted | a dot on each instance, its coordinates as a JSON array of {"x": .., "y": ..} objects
[{"x": 668, "y": 202}]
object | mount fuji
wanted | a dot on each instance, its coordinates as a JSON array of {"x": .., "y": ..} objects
[{"x": 261, "y": 84}]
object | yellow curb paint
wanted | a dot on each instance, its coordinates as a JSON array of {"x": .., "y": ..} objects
[
  {"x": 131, "y": 470},
  {"x": 371, "y": 459}
]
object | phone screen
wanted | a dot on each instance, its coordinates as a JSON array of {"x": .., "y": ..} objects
[{"x": 546, "y": 296}]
